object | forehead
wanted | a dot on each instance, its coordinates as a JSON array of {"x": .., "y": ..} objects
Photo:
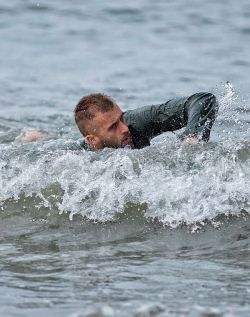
[{"x": 106, "y": 118}]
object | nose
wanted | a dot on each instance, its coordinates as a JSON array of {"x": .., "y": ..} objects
[{"x": 123, "y": 128}]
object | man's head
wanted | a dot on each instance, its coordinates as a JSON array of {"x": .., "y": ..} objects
[{"x": 101, "y": 122}]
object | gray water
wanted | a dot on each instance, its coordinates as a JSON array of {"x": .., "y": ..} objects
[{"x": 162, "y": 231}]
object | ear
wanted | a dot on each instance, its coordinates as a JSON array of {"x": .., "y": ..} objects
[{"x": 93, "y": 141}]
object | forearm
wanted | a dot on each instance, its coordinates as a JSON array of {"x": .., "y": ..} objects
[
  {"x": 200, "y": 111},
  {"x": 196, "y": 113}
]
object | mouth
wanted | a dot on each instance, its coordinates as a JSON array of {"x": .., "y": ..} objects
[{"x": 127, "y": 141}]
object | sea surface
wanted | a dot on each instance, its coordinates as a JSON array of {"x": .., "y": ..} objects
[{"x": 161, "y": 231}]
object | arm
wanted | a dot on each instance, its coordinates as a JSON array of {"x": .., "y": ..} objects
[
  {"x": 200, "y": 112},
  {"x": 196, "y": 113}
]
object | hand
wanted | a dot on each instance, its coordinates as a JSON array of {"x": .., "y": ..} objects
[
  {"x": 190, "y": 140},
  {"x": 30, "y": 136}
]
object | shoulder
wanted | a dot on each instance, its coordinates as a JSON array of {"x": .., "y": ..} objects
[
  {"x": 83, "y": 144},
  {"x": 77, "y": 145},
  {"x": 139, "y": 118},
  {"x": 202, "y": 95}
]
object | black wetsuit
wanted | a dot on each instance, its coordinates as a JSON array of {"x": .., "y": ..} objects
[{"x": 196, "y": 113}]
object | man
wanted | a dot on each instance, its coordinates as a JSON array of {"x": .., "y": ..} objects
[{"x": 104, "y": 124}]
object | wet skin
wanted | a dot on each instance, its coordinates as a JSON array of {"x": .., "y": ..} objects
[{"x": 108, "y": 129}]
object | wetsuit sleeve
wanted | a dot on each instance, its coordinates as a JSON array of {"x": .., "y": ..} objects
[
  {"x": 196, "y": 113},
  {"x": 200, "y": 111}
]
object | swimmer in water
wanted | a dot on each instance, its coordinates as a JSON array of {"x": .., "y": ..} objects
[{"x": 103, "y": 124}]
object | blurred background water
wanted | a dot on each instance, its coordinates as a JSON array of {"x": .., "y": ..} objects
[{"x": 162, "y": 231}]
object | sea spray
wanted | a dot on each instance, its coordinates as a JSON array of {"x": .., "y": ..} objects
[{"x": 174, "y": 183}]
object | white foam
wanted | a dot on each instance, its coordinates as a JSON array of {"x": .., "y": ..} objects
[
  {"x": 172, "y": 183},
  {"x": 175, "y": 184}
]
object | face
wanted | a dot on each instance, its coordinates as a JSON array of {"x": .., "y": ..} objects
[{"x": 108, "y": 129}]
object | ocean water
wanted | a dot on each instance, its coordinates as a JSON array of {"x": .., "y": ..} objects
[{"x": 161, "y": 231}]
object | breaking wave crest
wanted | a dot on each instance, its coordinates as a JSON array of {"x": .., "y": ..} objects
[{"x": 171, "y": 183}]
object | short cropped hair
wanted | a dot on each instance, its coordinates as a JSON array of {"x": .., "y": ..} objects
[{"x": 88, "y": 105}]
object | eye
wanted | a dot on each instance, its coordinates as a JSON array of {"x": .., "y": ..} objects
[{"x": 114, "y": 125}]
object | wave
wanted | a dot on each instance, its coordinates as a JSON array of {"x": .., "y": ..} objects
[{"x": 170, "y": 183}]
